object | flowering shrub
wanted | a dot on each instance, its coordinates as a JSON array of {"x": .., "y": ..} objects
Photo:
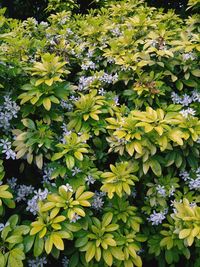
[{"x": 100, "y": 138}]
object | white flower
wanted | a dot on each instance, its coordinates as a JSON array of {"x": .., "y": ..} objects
[
  {"x": 101, "y": 91},
  {"x": 74, "y": 98},
  {"x": 186, "y": 100},
  {"x": 66, "y": 105},
  {"x": 198, "y": 171},
  {"x": 156, "y": 218},
  {"x": 23, "y": 191},
  {"x": 32, "y": 204},
  {"x": 89, "y": 180},
  {"x": 2, "y": 226},
  {"x": 161, "y": 190},
  {"x": 85, "y": 82},
  {"x": 8, "y": 111},
  {"x": 66, "y": 132},
  {"x": 133, "y": 193},
  {"x": 194, "y": 184},
  {"x": 171, "y": 191},
  {"x": 189, "y": 111},
  {"x": 65, "y": 261},
  {"x": 75, "y": 218},
  {"x": 44, "y": 24},
  {"x": 175, "y": 98},
  {"x": 184, "y": 175},
  {"x": 88, "y": 65},
  {"x": 188, "y": 56},
  {"x": 37, "y": 262},
  {"x": 68, "y": 188},
  {"x": 47, "y": 175},
  {"x": 12, "y": 182},
  {"x": 195, "y": 96},
  {"x": 41, "y": 194},
  {"x": 116, "y": 32},
  {"x": 6, "y": 145},
  {"x": 98, "y": 201},
  {"x": 75, "y": 171}
]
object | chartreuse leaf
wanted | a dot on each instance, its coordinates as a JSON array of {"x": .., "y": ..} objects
[
  {"x": 90, "y": 252},
  {"x": 57, "y": 241},
  {"x": 49, "y": 244},
  {"x": 70, "y": 162},
  {"x": 108, "y": 258}
]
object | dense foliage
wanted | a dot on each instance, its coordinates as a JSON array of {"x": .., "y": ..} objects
[
  {"x": 100, "y": 138},
  {"x": 40, "y": 9}
]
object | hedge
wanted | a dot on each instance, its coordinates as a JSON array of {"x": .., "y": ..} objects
[{"x": 100, "y": 138}]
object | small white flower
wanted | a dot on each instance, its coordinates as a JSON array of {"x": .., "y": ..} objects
[
  {"x": 161, "y": 190},
  {"x": 75, "y": 171},
  {"x": 12, "y": 182},
  {"x": 184, "y": 175},
  {"x": 195, "y": 96},
  {"x": 68, "y": 188},
  {"x": 75, "y": 218},
  {"x": 65, "y": 261},
  {"x": 171, "y": 191},
  {"x": 194, "y": 184},
  {"x": 101, "y": 91},
  {"x": 98, "y": 201},
  {"x": 189, "y": 111},
  {"x": 37, "y": 262},
  {"x": 89, "y": 180},
  {"x": 23, "y": 191},
  {"x": 156, "y": 218},
  {"x": 188, "y": 56}
]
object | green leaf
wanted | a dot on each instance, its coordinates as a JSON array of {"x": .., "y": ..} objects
[
  {"x": 15, "y": 258},
  {"x": 38, "y": 246},
  {"x": 155, "y": 166},
  {"x": 13, "y": 220},
  {"x": 81, "y": 241},
  {"x": 74, "y": 260},
  {"x": 179, "y": 85},
  {"x": 14, "y": 239},
  {"x": 169, "y": 256},
  {"x": 28, "y": 243},
  {"x": 2, "y": 260}
]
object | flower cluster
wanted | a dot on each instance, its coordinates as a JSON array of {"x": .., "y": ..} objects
[
  {"x": 38, "y": 262},
  {"x": 32, "y": 204},
  {"x": 100, "y": 137},
  {"x": 6, "y": 145},
  {"x": 157, "y": 218},
  {"x": 8, "y": 110},
  {"x": 23, "y": 191},
  {"x": 193, "y": 179},
  {"x": 185, "y": 99}
]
